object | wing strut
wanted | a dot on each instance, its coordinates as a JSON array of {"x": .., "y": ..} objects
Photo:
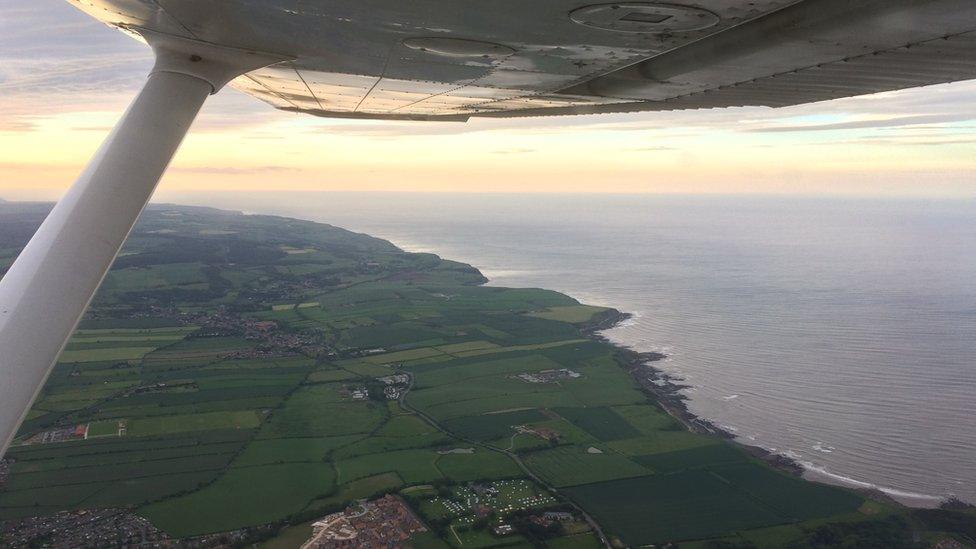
[{"x": 46, "y": 291}]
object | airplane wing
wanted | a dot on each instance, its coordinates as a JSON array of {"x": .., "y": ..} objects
[{"x": 456, "y": 59}]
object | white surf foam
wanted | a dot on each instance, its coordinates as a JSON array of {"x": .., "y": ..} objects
[{"x": 914, "y": 498}]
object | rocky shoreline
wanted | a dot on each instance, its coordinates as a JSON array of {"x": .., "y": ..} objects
[{"x": 667, "y": 391}]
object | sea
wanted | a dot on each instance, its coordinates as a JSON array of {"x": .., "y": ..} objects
[{"x": 840, "y": 332}]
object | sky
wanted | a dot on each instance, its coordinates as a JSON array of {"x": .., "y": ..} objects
[{"x": 65, "y": 79}]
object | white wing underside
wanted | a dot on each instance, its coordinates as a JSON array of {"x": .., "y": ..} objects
[{"x": 382, "y": 58}]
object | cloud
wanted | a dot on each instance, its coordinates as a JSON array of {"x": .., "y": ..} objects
[
  {"x": 55, "y": 59},
  {"x": 16, "y": 124},
  {"x": 513, "y": 151},
  {"x": 900, "y": 142},
  {"x": 657, "y": 148},
  {"x": 250, "y": 170},
  {"x": 895, "y": 122}
]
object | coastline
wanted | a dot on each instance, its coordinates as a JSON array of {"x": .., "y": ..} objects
[
  {"x": 875, "y": 401},
  {"x": 667, "y": 392},
  {"x": 660, "y": 392}
]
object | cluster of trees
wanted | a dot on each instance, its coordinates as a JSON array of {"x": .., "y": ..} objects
[
  {"x": 891, "y": 533},
  {"x": 958, "y": 519},
  {"x": 536, "y": 533},
  {"x": 896, "y": 532}
]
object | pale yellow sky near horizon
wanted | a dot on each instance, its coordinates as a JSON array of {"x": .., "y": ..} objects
[{"x": 64, "y": 81}]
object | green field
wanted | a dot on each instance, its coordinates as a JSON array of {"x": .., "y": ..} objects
[
  {"x": 155, "y": 277},
  {"x": 141, "y": 333},
  {"x": 103, "y": 428},
  {"x": 704, "y": 504},
  {"x": 492, "y": 426},
  {"x": 113, "y": 471},
  {"x": 789, "y": 496},
  {"x": 647, "y": 419},
  {"x": 466, "y": 369},
  {"x": 286, "y": 450},
  {"x": 243, "y": 496},
  {"x": 357, "y": 489},
  {"x": 480, "y": 465},
  {"x": 166, "y": 335},
  {"x": 413, "y": 466},
  {"x": 326, "y": 376},
  {"x": 401, "y": 432},
  {"x": 318, "y": 411},
  {"x": 383, "y": 444},
  {"x": 404, "y": 356},
  {"x": 575, "y": 314},
  {"x": 582, "y": 541},
  {"x": 105, "y": 354},
  {"x": 602, "y": 422},
  {"x": 703, "y": 456},
  {"x": 660, "y": 441},
  {"x": 515, "y": 348},
  {"x": 658, "y": 509},
  {"x": 192, "y": 422},
  {"x": 572, "y": 465},
  {"x": 466, "y": 346}
]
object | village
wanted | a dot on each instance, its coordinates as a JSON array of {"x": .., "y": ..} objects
[
  {"x": 382, "y": 523},
  {"x": 549, "y": 376},
  {"x": 60, "y": 434},
  {"x": 84, "y": 528},
  {"x": 275, "y": 341}
]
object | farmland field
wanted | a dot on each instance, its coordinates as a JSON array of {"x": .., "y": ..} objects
[
  {"x": 491, "y": 426},
  {"x": 413, "y": 466},
  {"x": 603, "y": 423},
  {"x": 791, "y": 497},
  {"x": 479, "y": 465},
  {"x": 313, "y": 450},
  {"x": 251, "y": 373},
  {"x": 244, "y": 496},
  {"x": 193, "y": 422},
  {"x": 703, "y": 504},
  {"x": 358, "y": 489},
  {"x": 317, "y": 410},
  {"x": 571, "y": 465},
  {"x": 661, "y": 441},
  {"x": 574, "y": 314},
  {"x": 112, "y": 353},
  {"x": 669, "y": 462},
  {"x": 684, "y": 506}
]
